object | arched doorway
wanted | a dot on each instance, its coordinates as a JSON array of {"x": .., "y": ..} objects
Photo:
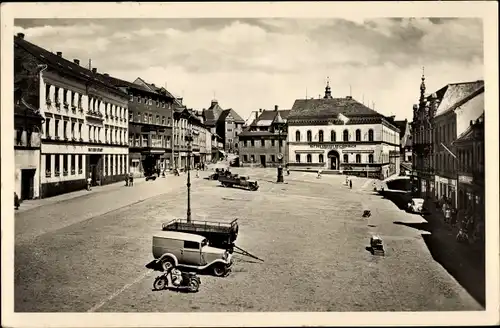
[{"x": 333, "y": 160}]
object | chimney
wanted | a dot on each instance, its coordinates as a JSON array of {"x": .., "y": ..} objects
[
  {"x": 256, "y": 115},
  {"x": 260, "y": 110},
  {"x": 106, "y": 74},
  {"x": 94, "y": 70},
  {"x": 76, "y": 61},
  {"x": 275, "y": 108},
  {"x": 59, "y": 53},
  {"x": 20, "y": 35},
  {"x": 153, "y": 85},
  {"x": 348, "y": 97}
]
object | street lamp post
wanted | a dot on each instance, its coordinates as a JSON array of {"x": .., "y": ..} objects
[
  {"x": 189, "y": 139},
  {"x": 280, "y": 124}
]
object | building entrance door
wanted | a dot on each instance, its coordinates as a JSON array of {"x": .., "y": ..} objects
[
  {"x": 94, "y": 168},
  {"x": 333, "y": 157},
  {"x": 27, "y": 184},
  {"x": 263, "y": 160}
]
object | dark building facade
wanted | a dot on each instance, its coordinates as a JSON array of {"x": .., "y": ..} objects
[
  {"x": 263, "y": 140},
  {"x": 469, "y": 148},
  {"x": 226, "y": 123},
  {"x": 150, "y": 126}
]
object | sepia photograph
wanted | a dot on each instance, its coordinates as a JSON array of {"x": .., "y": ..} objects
[{"x": 210, "y": 162}]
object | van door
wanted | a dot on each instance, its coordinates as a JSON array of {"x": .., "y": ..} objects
[{"x": 191, "y": 253}]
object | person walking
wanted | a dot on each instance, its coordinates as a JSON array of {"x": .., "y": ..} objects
[
  {"x": 89, "y": 182},
  {"x": 131, "y": 179},
  {"x": 350, "y": 184}
]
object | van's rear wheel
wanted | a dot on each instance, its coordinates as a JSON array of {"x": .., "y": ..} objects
[
  {"x": 167, "y": 264},
  {"x": 219, "y": 270}
]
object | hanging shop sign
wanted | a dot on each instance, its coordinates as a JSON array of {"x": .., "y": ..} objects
[{"x": 465, "y": 179}]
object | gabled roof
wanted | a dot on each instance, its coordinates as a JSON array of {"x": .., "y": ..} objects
[
  {"x": 329, "y": 108},
  {"x": 153, "y": 88},
  {"x": 402, "y": 126},
  {"x": 455, "y": 92},
  {"x": 64, "y": 66},
  {"x": 225, "y": 113},
  {"x": 213, "y": 113},
  {"x": 267, "y": 117},
  {"x": 468, "y": 134}
]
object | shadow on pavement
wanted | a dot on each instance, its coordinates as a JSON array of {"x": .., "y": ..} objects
[{"x": 465, "y": 265}]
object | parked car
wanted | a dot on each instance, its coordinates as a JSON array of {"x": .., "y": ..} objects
[
  {"x": 189, "y": 251},
  {"x": 416, "y": 205}
]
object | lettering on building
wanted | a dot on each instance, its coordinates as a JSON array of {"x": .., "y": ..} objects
[
  {"x": 332, "y": 146},
  {"x": 465, "y": 179},
  {"x": 95, "y": 150}
]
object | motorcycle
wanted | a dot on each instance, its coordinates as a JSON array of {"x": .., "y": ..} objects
[{"x": 180, "y": 280}]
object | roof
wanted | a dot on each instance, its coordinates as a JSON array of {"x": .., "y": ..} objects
[
  {"x": 225, "y": 113},
  {"x": 62, "y": 65},
  {"x": 267, "y": 117},
  {"x": 319, "y": 108},
  {"x": 409, "y": 142},
  {"x": 455, "y": 92},
  {"x": 179, "y": 236},
  {"x": 153, "y": 88},
  {"x": 468, "y": 134},
  {"x": 212, "y": 113},
  {"x": 256, "y": 134},
  {"x": 402, "y": 126}
]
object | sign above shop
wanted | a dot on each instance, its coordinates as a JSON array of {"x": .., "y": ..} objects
[
  {"x": 359, "y": 151},
  {"x": 95, "y": 150},
  {"x": 332, "y": 146},
  {"x": 465, "y": 179}
]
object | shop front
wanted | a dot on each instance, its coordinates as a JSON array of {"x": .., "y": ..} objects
[
  {"x": 471, "y": 203},
  {"x": 446, "y": 188}
]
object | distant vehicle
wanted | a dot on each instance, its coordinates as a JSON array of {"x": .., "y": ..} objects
[
  {"x": 416, "y": 205},
  {"x": 173, "y": 249},
  {"x": 219, "y": 234},
  {"x": 237, "y": 181}
]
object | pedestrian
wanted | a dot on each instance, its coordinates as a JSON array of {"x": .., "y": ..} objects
[
  {"x": 89, "y": 182},
  {"x": 346, "y": 180},
  {"x": 319, "y": 174},
  {"x": 126, "y": 180},
  {"x": 447, "y": 215},
  {"x": 17, "y": 203},
  {"x": 350, "y": 184},
  {"x": 131, "y": 179},
  {"x": 197, "y": 173}
]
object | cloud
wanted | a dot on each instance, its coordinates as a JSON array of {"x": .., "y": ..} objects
[{"x": 256, "y": 63}]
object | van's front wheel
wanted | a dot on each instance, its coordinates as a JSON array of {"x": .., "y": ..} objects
[{"x": 219, "y": 270}]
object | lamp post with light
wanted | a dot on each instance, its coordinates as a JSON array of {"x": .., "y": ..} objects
[{"x": 280, "y": 125}]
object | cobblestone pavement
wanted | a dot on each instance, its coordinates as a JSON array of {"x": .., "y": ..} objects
[{"x": 88, "y": 254}]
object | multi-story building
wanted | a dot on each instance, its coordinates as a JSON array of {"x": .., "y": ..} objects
[
  {"x": 469, "y": 148},
  {"x": 342, "y": 135},
  {"x": 150, "y": 125},
  {"x": 435, "y": 129},
  {"x": 224, "y": 122},
  {"x": 263, "y": 140},
  {"x": 28, "y": 128},
  {"x": 85, "y": 129}
]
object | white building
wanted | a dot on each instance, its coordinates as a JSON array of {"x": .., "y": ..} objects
[
  {"x": 343, "y": 135},
  {"x": 85, "y": 129}
]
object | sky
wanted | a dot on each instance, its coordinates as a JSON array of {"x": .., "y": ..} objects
[{"x": 247, "y": 64}]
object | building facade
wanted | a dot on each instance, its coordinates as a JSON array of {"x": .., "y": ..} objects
[
  {"x": 469, "y": 148},
  {"x": 226, "y": 123},
  {"x": 27, "y": 128},
  {"x": 263, "y": 140},
  {"x": 435, "y": 129},
  {"x": 149, "y": 125},
  {"x": 342, "y": 135},
  {"x": 85, "y": 128}
]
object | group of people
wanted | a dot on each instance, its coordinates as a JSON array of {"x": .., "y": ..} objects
[
  {"x": 465, "y": 218},
  {"x": 129, "y": 180}
]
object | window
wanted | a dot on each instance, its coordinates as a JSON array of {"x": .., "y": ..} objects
[
  {"x": 245, "y": 143},
  {"x": 309, "y": 136},
  {"x": 262, "y": 143},
  {"x": 273, "y": 142},
  {"x": 358, "y": 135},
  {"x": 333, "y": 136},
  {"x": 157, "y": 119},
  {"x": 80, "y": 130},
  {"x": 163, "y": 120},
  {"x": 73, "y": 129},
  {"x": 130, "y": 116},
  {"x": 321, "y": 158},
  {"x": 150, "y": 102},
  {"x": 56, "y": 164},
  {"x": 346, "y": 135},
  {"x": 245, "y": 158},
  {"x": 57, "y": 95},
  {"x": 309, "y": 158},
  {"x": 321, "y": 136},
  {"x": 370, "y": 135},
  {"x": 80, "y": 163},
  {"x": 47, "y": 127},
  {"x": 150, "y": 117},
  {"x": 252, "y": 158},
  {"x": 57, "y": 128},
  {"x": 370, "y": 158},
  {"x": 272, "y": 158},
  {"x": 297, "y": 136},
  {"x": 358, "y": 158},
  {"x": 281, "y": 143},
  {"x": 65, "y": 129},
  {"x": 138, "y": 99},
  {"x": 346, "y": 158},
  {"x": 48, "y": 164},
  {"x": 131, "y": 98},
  {"x": 252, "y": 143},
  {"x": 145, "y": 118},
  {"x": 297, "y": 158},
  {"x": 73, "y": 159}
]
